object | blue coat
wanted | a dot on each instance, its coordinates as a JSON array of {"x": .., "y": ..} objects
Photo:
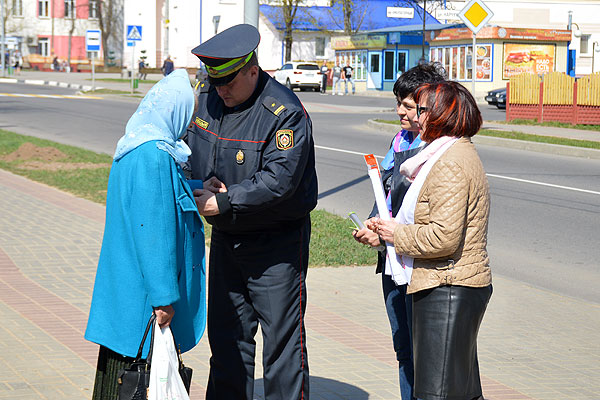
[{"x": 152, "y": 254}]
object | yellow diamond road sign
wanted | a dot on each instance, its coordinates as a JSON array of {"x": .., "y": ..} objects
[{"x": 475, "y": 15}]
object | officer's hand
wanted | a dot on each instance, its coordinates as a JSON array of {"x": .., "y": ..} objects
[
  {"x": 206, "y": 202},
  {"x": 215, "y": 185}
]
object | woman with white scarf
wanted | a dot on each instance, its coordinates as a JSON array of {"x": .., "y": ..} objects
[{"x": 440, "y": 233}]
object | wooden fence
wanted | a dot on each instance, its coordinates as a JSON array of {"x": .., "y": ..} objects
[{"x": 563, "y": 98}]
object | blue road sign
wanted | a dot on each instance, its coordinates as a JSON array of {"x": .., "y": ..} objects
[
  {"x": 92, "y": 40},
  {"x": 134, "y": 32}
]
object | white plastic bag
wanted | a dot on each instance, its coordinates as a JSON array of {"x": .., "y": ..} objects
[{"x": 165, "y": 381}]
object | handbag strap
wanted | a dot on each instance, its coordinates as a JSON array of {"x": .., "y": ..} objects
[
  {"x": 138, "y": 357},
  {"x": 177, "y": 349}
]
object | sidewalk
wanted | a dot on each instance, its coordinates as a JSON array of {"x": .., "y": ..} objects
[{"x": 533, "y": 344}]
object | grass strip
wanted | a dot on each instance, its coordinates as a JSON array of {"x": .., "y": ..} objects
[
  {"x": 588, "y": 144},
  {"x": 331, "y": 242},
  {"x": 555, "y": 124},
  {"x": 135, "y": 94}
]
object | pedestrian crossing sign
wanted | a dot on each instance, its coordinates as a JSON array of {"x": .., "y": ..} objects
[{"x": 134, "y": 32}]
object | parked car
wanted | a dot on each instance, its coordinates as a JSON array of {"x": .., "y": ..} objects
[
  {"x": 493, "y": 96},
  {"x": 501, "y": 100},
  {"x": 300, "y": 75}
]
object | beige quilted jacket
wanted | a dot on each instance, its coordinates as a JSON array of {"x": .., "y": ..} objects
[{"x": 449, "y": 237}]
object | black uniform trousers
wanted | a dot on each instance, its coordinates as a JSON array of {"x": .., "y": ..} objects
[{"x": 258, "y": 277}]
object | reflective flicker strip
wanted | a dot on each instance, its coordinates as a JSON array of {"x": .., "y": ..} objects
[{"x": 229, "y": 67}]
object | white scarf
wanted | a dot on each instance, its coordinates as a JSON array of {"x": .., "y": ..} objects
[{"x": 416, "y": 170}]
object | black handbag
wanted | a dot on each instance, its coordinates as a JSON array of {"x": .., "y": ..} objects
[{"x": 134, "y": 380}]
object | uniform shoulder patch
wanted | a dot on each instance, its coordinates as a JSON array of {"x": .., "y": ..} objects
[
  {"x": 273, "y": 105},
  {"x": 201, "y": 123},
  {"x": 284, "y": 139}
]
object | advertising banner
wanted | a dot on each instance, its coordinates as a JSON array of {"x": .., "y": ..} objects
[{"x": 519, "y": 58}]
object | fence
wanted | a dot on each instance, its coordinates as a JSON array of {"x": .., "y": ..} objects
[{"x": 563, "y": 98}]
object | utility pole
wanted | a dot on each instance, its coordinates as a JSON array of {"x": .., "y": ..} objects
[
  {"x": 424, "y": 16},
  {"x": 2, "y": 58}
]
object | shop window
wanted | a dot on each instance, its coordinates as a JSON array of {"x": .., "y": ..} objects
[
  {"x": 388, "y": 68},
  {"x": 355, "y": 58},
  {"x": 458, "y": 61},
  {"x": 401, "y": 64}
]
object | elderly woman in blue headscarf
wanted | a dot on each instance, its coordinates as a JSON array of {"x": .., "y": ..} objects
[{"x": 152, "y": 256}]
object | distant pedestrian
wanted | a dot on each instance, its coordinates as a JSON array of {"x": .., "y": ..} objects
[
  {"x": 55, "y": 64},
  {"x": 324, "y": 74},
  {"x": 336, "y": 75},
  {"x": 348, "y": 71},
  {"x": 167, "y": 67},
  {"x": 18, "y": 62},
  {"x": 142, "y": 74}
]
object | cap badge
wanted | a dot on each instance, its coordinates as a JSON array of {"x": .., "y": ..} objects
[
  {"x": 284, "y": 139},
  {"x": 240, "y": 157}
]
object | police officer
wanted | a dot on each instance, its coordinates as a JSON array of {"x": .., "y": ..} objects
[{"x": 252, "y": 145}]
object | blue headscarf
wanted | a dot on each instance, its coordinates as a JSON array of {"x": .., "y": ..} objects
[{"x": 163, "y": 115}]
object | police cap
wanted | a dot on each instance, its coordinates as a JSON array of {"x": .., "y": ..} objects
[{"x": 227, "y": 52}]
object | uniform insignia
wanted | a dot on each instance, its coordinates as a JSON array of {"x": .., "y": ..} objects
[
  {"x": 273, "y": 105},
  {"x": 239, "y": 157},
  {"x": 201, "y": 123},
  {"x": 284, "y": 139}
]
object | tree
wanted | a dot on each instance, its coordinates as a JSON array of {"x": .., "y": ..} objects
[
  {"x": 423, "y": 6},
  {"x": 353, "y": 13},
  {"x": 289, "y": 9},
  {"x": 110, "y": 22}
]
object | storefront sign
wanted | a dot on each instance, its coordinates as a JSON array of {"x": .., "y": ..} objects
[
  {"x": 400, "y": 12},
  {"x": 495, "y": 32},
  {"x": 359, "y": 42},
  {"x": 519, "y": 58}
]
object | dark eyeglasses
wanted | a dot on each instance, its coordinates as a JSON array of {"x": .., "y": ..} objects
[{"x": 421, "y": 110}]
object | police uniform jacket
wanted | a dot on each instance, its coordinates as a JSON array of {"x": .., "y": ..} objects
[{"x": 262, "y": 150}]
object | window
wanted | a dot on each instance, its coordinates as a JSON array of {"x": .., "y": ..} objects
[
  {"x": 401, "y": 64},
  {"x": 388, "y": 68},
  {"x": 69, "y": 8},
  {"x": 17, "y": 8},
  {"x": 320, "y": 46},
  {"x": 43, "y": 8},
  {"x": 458, "y": 61},
  {"x": 584, "y": 44},
  {"x": 93, "y": 4},
  {"x": 43, "y": 47},
  {"x": 357, "y": 59}
]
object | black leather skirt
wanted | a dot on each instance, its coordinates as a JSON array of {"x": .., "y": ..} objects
[{"x": 446, "y": 321}]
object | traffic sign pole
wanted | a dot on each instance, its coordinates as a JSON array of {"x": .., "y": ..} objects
[
  {"x": 93, "y": 72},
  {"x": 132, "y": 62},
  {"x": 474, "y": 63}
]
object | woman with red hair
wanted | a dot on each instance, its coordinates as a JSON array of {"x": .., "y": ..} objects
[{"x": 440, "y": 234}]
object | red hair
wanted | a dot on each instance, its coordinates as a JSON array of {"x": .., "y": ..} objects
[{"x": 452, "y": 110}]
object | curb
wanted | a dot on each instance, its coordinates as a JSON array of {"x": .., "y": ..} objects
[
  {"x": 40, "y": 82},
  {"x": 549, "y": 148}
]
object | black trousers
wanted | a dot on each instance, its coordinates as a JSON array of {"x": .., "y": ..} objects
[{"x": 258, "y": 278}]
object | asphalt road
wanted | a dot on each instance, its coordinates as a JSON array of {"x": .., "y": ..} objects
[{"x": 545, "y": 208}]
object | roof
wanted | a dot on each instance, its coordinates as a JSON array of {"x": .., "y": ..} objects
[{"x": 368, "y": 15}]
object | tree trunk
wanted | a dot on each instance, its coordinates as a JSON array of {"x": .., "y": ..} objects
[{"x": 288, "y": 45}]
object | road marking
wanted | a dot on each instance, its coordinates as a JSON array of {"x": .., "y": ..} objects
[
  {"x": 490, "y": 175},
  {"x": 543, "y": 184},
  {"x": 344, "y": 151},
  {"x": 50, "y": 96}
]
